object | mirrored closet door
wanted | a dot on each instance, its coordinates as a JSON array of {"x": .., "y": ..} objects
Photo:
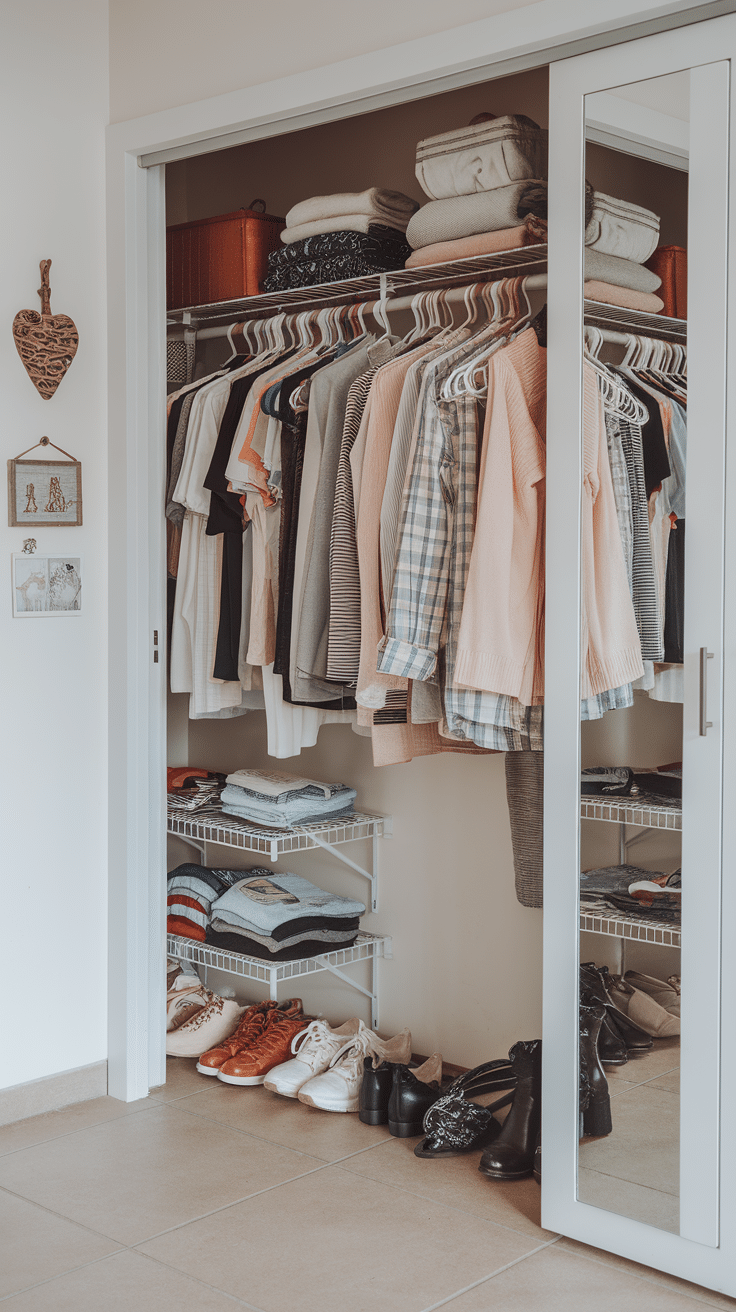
[{"x": 634, "y": 729}]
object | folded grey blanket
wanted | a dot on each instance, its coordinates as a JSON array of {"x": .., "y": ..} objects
[
  {"x": 619, "y": 272},
  {"x": 618, "y": 227},
  {"x": 481, "y": 157},
  {"x": 484, "y": 211},
  {"x": 375, "y": 204}
]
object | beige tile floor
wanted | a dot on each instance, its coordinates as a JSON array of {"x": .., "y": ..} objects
[
  {"x": 636, "y": 1169},
  {"x": 203, "y": 1197}
]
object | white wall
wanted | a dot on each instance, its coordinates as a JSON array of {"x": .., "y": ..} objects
[
  {"x": 171, "y": 52},
  {"x": 53, "y": 98}
]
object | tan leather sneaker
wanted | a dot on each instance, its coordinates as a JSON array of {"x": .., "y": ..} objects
[
  {"x": 270, "y": 1049},
  {"x": 251, "y": 1027}
]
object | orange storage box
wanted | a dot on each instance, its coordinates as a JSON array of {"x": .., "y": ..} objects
[
  {"x": 670, "y": 263},
  {"x": 220, "y": 259}
]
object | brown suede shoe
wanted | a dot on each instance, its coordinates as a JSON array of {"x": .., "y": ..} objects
[
  {"x": 269, "y": 1049},
  {"x": 251, "y": 1026}
]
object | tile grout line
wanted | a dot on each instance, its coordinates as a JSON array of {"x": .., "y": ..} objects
[
  {"x": 251, "y": 1307},
  {"x": 647, "y": 1280},
  {"x": 99, "y": 1234},
  {"x": 484, "y": 1279},
  {"x": 652, "y": 1188},
  {"x": 224, "y": 1125},
  {"x": 640, "y": 1084},
  {"x": 82, "y": 1129}
]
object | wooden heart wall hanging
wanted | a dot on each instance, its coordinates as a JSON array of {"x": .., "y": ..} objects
[{"x": 46, "y": 343}]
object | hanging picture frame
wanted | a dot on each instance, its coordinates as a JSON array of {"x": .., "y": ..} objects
[
  {"x": 44, "y": 493},
  {"x": 46, "y": 586}
]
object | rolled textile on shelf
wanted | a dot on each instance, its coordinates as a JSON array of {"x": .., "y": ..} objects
[
  {"x": 375, "y": 204},
  {"x": 619, "y": 272},
  {"x": 618, "y": 227},
  {"x": 647, "y": 302},
  {"x": 483, "y": 211},
  {"x": 482, "y": 156},
  {"x": 530, "y": 233}
]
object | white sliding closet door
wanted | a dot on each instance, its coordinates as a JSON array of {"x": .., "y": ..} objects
[{"x": 665, "y": 101}]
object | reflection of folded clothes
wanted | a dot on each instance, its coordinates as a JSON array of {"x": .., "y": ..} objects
[
  {"x": 606, "y": 781},
  {"x": 337, "y": 937},
  {"x": 484, "y": 211},
  {"x": 612, "y": 879},
  {"x": 618, "y": 227},
  {"x": 668, "y": 909},
  {"x": 186, "y": 928},
  {"x": 267, "y": 899},
  {"x": 620, "y": 273},
  {"x": 623, "y": 296},
  {"x": 530, "y": 233},
  {"x": 666, "y": 781},
  {"x": 482, "y": 157},
  {"x": 356, "y": 209},
  {"x": 309, "y": 948},
  {"x": 658, "y": 890}
]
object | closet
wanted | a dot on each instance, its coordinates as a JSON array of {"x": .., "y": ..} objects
[{"x": 465, "y": 974}]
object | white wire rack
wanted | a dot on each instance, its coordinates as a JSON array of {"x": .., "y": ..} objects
[
  {"x": 367, "y": 947},
  {"x": 635, "y": 321},
  {"x": 504, "y": 264},
  {"x": 657, "y": 932},
  {"x": 646, "y": 813},
  {"x": 229, "y": 831}
]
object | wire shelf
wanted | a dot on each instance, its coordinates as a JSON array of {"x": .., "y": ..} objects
[
  {"x": 601, "y": 315},
  {"x": 365, "y": 948},
  {"x": 646, "y": 813},
  {"x": 230, "y": 831},
  {"x": 659, "y": 933},
  {"x": 453, "y": 273}
]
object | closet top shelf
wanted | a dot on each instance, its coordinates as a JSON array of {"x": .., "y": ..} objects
[{"x": 454, "y": 273}]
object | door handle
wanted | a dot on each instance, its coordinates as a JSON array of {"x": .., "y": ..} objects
[{"x": 705, "y": 724}]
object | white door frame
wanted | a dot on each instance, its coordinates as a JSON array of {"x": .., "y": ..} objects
[
  {"x": 708, "y": 1196},
  {"x": 510, "y": 42}
]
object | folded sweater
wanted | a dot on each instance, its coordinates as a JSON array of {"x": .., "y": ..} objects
[
  {"x": 337, "y": 937},
  {"x": 250, "y": 948},
  {"x": 270, "y": 900},
  {"x": 647, "y": 302},
  {"x": 484, "y": 211},
  {"x": 530, "y": 233},
  {"x": 376, "y": 204}
]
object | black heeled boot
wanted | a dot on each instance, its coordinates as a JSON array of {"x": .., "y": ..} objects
[
  {"x": 593, "y": 980},
  {"x": 611, "y": 1048},
  {"x": 595, "y": 1100},
  {"x": 511, "y": 1157}
]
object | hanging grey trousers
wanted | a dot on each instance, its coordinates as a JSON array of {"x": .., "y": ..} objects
[{"x": 524, "y": 794}]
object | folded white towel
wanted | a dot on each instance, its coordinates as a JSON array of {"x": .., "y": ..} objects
[
  {"x": 343, "y": 223},
  {"x": 378, "y": 205}
]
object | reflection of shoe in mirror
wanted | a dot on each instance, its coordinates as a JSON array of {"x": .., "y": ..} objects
[
  {"x": 597, "y": 982},
  {"x": 611, "y": 1047},
  {"x": 645, "y": 1011},
  {"x": 665, "y": 992},
  {"x": 595, "y": 1101},
  {"x": 537, "y": 1172},
  {"x": 511, "y": 1157}
]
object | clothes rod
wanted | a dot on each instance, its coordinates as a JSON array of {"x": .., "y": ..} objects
[{"x": 453, "y": 296}]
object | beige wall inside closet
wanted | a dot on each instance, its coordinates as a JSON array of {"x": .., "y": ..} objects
[{"x": 467, "y": 968}]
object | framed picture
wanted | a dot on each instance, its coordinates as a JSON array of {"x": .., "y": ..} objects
[
  {"x": 46, "y": 585},
  {"x": 44, "y": 493}
]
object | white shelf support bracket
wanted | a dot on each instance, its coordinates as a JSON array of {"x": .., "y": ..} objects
[
  {"x": 367, "y": 993},
  {"x": 371, "y": 875}
]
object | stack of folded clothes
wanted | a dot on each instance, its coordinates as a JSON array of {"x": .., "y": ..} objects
[
  {"x": 487, "y": 188},
  {"x": 190, "y": 892},
  {"x": 281, "y": 917},
  {"x": 189, "y": 789},
  {"x": 282, "y": 801},
  {"x": 619, "y": 237},
  {"x": 651, "y": 894},
  {"x": 328, "y": 238}
]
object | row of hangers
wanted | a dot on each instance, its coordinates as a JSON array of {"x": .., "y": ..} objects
[{"x": 654, "y": 355}]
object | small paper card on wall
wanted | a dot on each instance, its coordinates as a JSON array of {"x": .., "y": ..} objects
[
  {"x": 46, "y": 585},
  {"x": 44, "y": 493}
]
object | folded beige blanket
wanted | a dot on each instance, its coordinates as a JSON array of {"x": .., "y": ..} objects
[
  {"x": 621, "y": 273},
  {"x": 482, "y": 156},
  {"x": 529, "y": 233},
  {"x": 623, "y": 296},
  {"x": 484, "y": 211},
  {"x": 376, "y": 204},
  {"x": 341, "y": 223}
]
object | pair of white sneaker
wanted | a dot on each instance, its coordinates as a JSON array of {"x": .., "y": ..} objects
[{"x": 327, "y": 1068}]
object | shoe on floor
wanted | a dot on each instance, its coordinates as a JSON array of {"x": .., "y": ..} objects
[
  {"x": 250, "y": 1028},
  {"x": 412, "y": 1094},
  {"x": 271, "y": 1048},
  {"x": 378, "y": 1076},
  {"x": 313, "y": 1051},
  {"x": 209, "y": 1026},
  {"x": 665, "y": 992},
  {"x": 338, "y": 1088},
  {"x": 184, "y": 999},
  {"x": 644, "y": 1010}
]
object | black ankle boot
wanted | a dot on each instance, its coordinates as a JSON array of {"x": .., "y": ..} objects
[
  {"x": 594, "y": 981},
  {"x": 375, "y": 1091},
  {"x": 611, "y": 1048},
  {"x": 511, "y": 1157},
  {"x": 595, "y": 1101}
]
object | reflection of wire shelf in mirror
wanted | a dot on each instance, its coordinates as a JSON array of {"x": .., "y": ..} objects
[
  {"x": 600, "y": 315},
  {"x": 229, "y": 831},
  {"x": 659, "y": 933},
  {"x": 367, "y": 947},
  {"x": 643, "y": 811}
]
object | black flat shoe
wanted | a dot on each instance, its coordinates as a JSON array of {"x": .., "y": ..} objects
[
  {"x": 456, "y": 1125},
  {"x": 412, "y": 1094}
]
